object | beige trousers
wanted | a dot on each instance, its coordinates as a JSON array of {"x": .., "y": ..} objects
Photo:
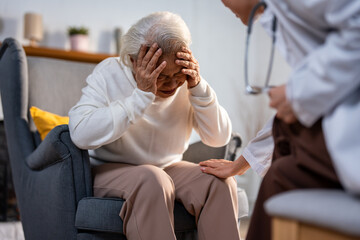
[{"x": 150, "y": 193}]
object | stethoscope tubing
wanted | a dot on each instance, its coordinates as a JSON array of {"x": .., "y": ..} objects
[{"x": 256, "y": 89}]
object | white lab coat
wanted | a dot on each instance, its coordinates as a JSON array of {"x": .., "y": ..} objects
[{"x": 320, "y": 39}]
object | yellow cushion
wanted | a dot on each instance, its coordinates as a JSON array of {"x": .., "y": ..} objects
[{"x": 45, "y": 121}]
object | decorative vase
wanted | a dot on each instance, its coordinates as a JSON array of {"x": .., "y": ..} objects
[
  {"x": 79, "y": 42},
  {"x": 118, "y": 34}
]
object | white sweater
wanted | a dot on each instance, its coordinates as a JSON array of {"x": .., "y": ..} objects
[{"x": 121, "y": 123}]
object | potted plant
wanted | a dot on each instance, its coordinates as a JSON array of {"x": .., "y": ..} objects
[{"x": 79, "y": 40}]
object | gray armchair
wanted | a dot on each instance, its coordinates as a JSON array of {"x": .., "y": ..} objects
[{"x": 52, "y": 178}]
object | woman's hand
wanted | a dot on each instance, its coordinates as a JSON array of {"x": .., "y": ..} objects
[
  {"x": 146, "y": 72},
  {"x": 191, "y": 66},
  {"x": 279, "y": 101},
  {"x": 223, "y": 168}
]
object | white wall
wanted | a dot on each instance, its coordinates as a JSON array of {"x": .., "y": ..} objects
[{"x": 218, "y": 45}]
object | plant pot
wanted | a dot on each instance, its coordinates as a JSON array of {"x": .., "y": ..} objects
[{"x": 79, "y": 42}]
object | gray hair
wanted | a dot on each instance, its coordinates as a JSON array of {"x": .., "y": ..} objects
[{"x": 166, "y": 29}]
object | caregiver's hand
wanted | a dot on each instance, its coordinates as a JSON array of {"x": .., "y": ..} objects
[
  {"x": 146, "y": 72},
  {"x": 223, "y": 168},
  {"x": 279, "y": 101}
]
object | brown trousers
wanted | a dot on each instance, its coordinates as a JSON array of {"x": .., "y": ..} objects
[
  {"x": 300, "y": 161},
  {"x": 150, "y": 192}
]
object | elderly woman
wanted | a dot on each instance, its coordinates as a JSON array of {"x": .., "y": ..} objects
[{"x": 136, "y": 114}]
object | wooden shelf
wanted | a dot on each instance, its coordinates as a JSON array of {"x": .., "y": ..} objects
[{"x": 66, "y": 55}]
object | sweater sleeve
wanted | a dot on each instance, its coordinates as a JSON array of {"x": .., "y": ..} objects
[
  {"x": 96, "y": 121},
  {"x": 211, "y": 121}
]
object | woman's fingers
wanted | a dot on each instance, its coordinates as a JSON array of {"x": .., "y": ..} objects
[
  {"x": 192, "y": 73},
  {"x": 184, "y": 55},
  {"x": 141, "y": 54},
  {"x": 191, "y": 66},
  {"x": 186, "y": 50},
  {"x": 149, "y": 55},
  {"x": 187, "y": 55},
  {"x": 155, "y": 74},
  {"x": 154, "y": 59},
  {"x": 186, "y": 64}
]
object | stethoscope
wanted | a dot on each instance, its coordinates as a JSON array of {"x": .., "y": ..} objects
[{"x": 258, "y": 89}]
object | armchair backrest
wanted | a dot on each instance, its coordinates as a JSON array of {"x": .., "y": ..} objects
[
  {"x": 55, "y": 85},
  {"x": 51, "y": 84},
  {"x": 14, "y": 93}
]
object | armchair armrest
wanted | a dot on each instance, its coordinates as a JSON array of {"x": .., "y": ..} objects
[
  {"x": 56, "y": 151},
  {"x": 50, "y": 151},
  {"x": 233, "y": 147},
  {"x": 56, "y": 177},
  {"x": 198, "y": 151}
]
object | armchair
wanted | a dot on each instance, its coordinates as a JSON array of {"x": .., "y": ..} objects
[{"x": 52, "y": 178}]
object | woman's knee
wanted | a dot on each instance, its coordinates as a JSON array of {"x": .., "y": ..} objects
[
  {"x": 154, "y": 180},
  {"x": 227, "y": 184}
]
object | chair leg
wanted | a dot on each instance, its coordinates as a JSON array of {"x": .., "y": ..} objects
[{"x": 287, "y": 229}]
